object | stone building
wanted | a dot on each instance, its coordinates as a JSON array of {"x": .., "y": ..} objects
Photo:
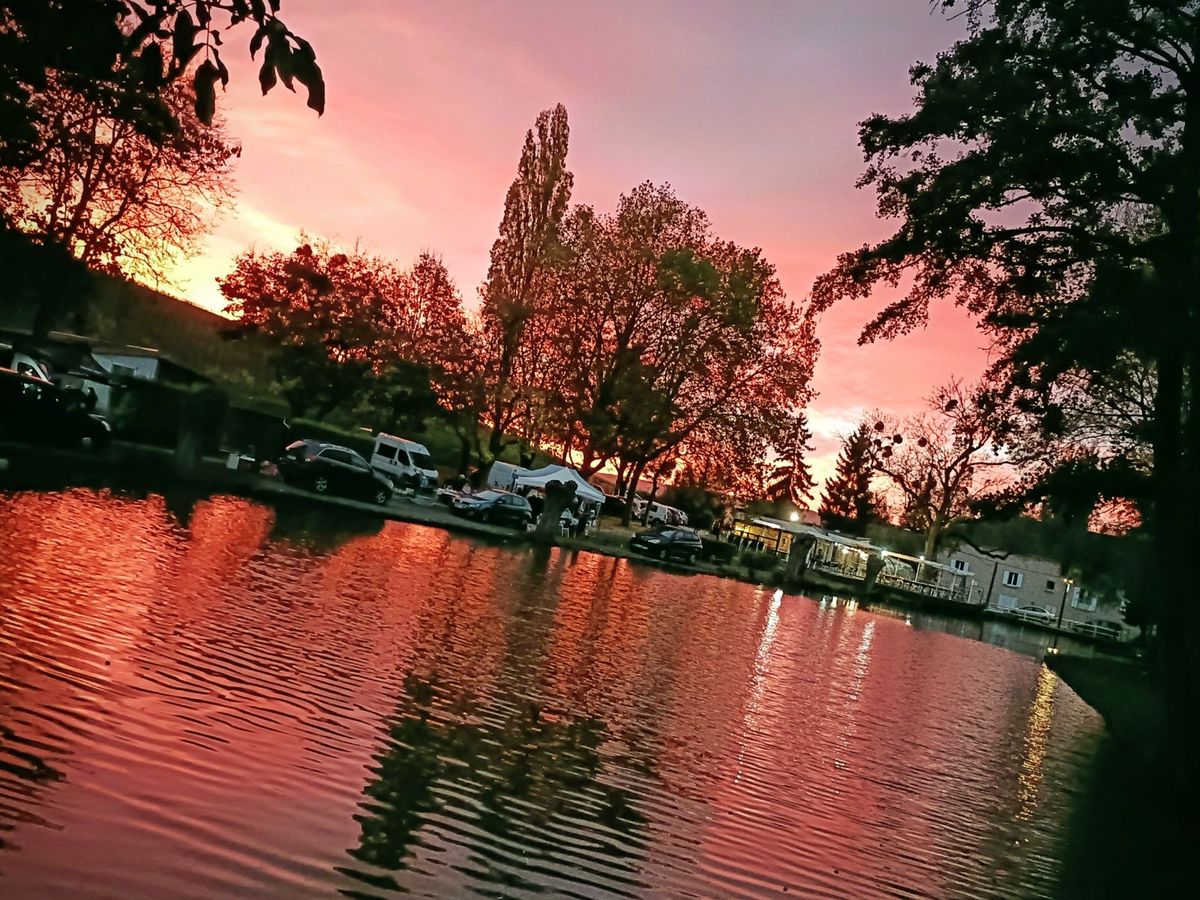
[{"x": 1010, "y": 581}]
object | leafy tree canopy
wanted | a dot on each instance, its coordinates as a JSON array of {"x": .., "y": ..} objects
[{"x": 122, "y": 55}]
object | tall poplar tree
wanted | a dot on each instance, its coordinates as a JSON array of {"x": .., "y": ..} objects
[{"x": 515, "y": 290}]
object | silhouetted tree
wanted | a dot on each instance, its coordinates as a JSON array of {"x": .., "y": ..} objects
[
  {"x": 789, "y": 477},
  {"x": 938, "y": 461},
  {"x": 665, "y": 342},
  {"x": 344, "y": 323},
  {"x": 1049, "y": 181},
  {"x": 121, "y": 56},
  {"x": 423, "y": 326},
  {"x": 849, "y": 502},
  {"x": 118, "y": 200}
]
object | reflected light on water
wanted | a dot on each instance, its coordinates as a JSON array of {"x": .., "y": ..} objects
[{"x": 1037, "y": 735}]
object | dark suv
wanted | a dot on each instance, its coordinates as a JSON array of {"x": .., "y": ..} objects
[
  {"x": 34, "y": 411},
  {"x": 668, "y": 542},
  {"x": 330, "y": 469},
  {"x": 495, "y": 507}
]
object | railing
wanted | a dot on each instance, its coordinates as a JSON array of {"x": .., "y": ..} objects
[
  {"x": 925, "y": 588},
  {"x": 838, "y": 569},
  {"x": 1096, "y": 630}
]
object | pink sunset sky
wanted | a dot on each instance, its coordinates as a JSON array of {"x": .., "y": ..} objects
[{"x": 749, "y": 109}]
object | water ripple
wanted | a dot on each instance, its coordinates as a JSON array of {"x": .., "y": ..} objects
[{"x": 210, "y": 698}]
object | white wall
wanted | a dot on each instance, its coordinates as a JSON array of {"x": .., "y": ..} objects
[{"x": 142, "y": 366}]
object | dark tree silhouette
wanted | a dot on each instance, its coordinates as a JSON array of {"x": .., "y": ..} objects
[
  {"x": 849, "y": 502},
  {"x": 119, "y": 201},
  {"x": 122, "y": 55},
  {"x": 789, "y": 477},
  {"x": 940, "y": 460},
  {"x": 1049, "y": 180}
]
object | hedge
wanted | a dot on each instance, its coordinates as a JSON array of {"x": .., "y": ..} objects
[
  {"x": 150, "y": 412},
  {"x": 718, "y": 551},
  {"x": 759, "y": 559}
]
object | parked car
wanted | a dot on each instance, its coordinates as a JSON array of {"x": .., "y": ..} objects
[
  {"x": 32, "y": 410},
  {"x": 330, "y": 469},
  {"x": 407, "y": 463},
  {"x": 1098, "y": 628},
  {"x": 495, "y": 508},
  {"x": 665, "y": 542},
  {"x": 1038, "y": 614},
  {"x": 22, "y": 363}
]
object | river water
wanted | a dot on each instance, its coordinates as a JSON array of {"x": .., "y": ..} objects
[{"x": 207, "y": 697}]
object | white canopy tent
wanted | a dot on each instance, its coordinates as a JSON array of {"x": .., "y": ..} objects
[{"x": 539, "y": 478}]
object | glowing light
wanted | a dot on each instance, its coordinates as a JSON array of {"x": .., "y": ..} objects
[
  {"x": 795, "y": 516},
  {"x": 1038, "y": 732}
]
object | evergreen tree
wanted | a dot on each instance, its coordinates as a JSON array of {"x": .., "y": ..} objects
[
  {"x": 849, "y": 502},
  {"x": 789, "y": 477}
]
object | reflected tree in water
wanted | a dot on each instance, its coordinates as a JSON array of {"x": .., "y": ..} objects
[{"x": 529, "y": 776}]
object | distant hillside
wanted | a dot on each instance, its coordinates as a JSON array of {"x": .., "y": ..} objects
[
  {"x": 127, "y": 313},
  {"x": 122, "y": 312}
]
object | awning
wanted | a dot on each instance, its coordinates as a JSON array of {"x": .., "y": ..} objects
[{"x": 539, "y": 478}]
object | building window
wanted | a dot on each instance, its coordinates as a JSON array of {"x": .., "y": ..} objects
[
  {"x": 1013, "y": 579},
  {"x": 1049, "y": 584},
  {"x": 1083, "y": 601},
  {"x": 960, "y": 565}
]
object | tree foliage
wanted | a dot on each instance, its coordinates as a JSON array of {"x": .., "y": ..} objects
[
  {"x": 849, "y": 501},
  {"x": 660, "y": 340},
  {"x": 940, "y": 460},
  {"x": 119, "y": 201},
  {"x": 1049, "y": 181},
  {"x": 344, "y": 322},
  {"x": 788, "y": 475},
  {"x": 122, "y": 56},
  {"x": 514, "y": 293}
]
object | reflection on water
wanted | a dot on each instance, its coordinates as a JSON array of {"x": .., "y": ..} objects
[
  {"x": 204, "y": 697},
  {"x": 1041, "y": 715}
]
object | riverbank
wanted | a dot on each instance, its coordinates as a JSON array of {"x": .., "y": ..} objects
[
  {"x": 1121, "y": 692},
  {"x": 152, "y": 468}
]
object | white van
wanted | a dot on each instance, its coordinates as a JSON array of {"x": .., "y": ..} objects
[
  {"x": 661, "y": 514},
  {"x": 407, "y": 463}
]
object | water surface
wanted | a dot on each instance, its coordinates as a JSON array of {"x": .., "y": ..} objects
[{"x": 212, "y": 698}]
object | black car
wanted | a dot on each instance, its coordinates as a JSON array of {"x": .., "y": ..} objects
[
  {"x": 495, "y": 507},
  {"x": 330, "y": 469},
  {"x": 34, "y": 411},
  {"x": 668, "y": 542}
]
